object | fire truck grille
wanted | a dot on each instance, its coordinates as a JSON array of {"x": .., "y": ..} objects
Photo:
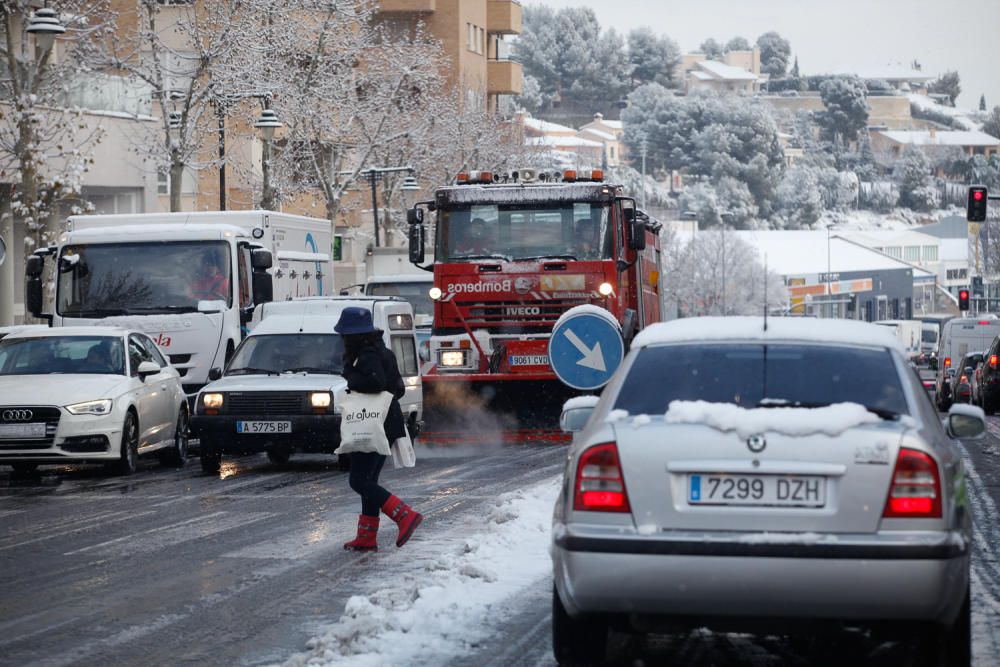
[{"x": 478, "y": 313}]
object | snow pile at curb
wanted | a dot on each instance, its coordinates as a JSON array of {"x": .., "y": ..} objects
[
  {"x": 831, "y": 420},
  {"x": 433, "y": 611}
]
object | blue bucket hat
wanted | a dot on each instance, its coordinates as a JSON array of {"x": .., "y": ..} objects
[{"x": 354, "y": 321}]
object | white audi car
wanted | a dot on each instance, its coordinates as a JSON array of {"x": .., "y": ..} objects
[{"x": 88, "y": 395}]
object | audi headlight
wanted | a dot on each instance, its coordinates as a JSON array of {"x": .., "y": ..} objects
[
  {"x": 212, "y": 401},
  {"x": 98, "y": 407},
  {"x": 453, "y": 358},
  {"x": 320, "y": 399}
]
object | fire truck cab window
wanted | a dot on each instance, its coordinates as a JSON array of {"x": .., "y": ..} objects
[{"x": 511, "y": 231}]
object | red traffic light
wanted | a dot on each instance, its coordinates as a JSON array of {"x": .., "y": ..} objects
[
  {"x": 963, "y": 294},
  {"x": 977, "y": 195}
]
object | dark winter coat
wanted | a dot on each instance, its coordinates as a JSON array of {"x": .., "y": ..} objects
[{"x": 373, "y": 371}]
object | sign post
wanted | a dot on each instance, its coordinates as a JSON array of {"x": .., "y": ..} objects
[{"x": 586, "y": 347}]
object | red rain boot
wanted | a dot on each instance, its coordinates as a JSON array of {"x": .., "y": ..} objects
[
  {"x": 405, "y": 517},
  {"x": 367, "y": 532}
]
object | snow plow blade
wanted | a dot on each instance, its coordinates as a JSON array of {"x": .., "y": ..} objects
[{"x": 493, "y": 411}]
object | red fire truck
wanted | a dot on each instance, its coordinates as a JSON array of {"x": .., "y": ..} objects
[{"x": 512, "y": 254}]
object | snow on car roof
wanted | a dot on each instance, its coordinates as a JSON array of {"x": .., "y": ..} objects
[
  {"x": 831, "y": 420},
  {"x": 785, "y": 329}
]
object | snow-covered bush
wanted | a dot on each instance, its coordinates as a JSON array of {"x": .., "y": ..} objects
[{"x": 800, "y": 203}]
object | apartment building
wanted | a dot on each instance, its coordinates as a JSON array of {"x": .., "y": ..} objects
[{"x": 473, "y": 35}]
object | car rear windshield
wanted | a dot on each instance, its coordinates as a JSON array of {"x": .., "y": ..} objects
[{"x": 747, "y": 374}]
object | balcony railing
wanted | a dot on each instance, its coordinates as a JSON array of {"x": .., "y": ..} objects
[
  {"x": 407, "y": 5},
  {"x": 504, "y": 77},
  {"x": 503, "y": 17}
]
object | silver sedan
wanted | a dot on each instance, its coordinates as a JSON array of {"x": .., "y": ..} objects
[{"x": 744, "y": 475}]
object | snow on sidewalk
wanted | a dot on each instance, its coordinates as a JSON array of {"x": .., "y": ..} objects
[{"x": 435, "y": 598}]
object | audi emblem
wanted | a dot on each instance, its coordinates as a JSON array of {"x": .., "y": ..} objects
[{"x": 17, "y": 415}]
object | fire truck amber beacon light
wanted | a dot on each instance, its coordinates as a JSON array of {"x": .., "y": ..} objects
[{"x": 434, "y": 293}]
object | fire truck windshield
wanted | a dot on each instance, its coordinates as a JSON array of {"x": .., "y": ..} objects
[{"x": 513, "y": 232}]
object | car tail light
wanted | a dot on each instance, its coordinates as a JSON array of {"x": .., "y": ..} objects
[
  {"x": 947, "y": 362},
  {"x": 916, "y": 487},
  {"x": 963, "y": 379},
  {"x": 600, "y": 486},
  {"x": 993, "y": 361}
]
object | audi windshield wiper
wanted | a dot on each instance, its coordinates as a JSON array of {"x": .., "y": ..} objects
[
  {"x": 785, "y": 403},
  {"x": 247, "y": 370}
]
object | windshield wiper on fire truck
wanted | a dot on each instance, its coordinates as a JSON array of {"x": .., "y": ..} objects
[
  {"x": 165, "y": 309},
  {"x": 97, "y": 312},
  {"x": 505, "y": 258},
  {"x": 534, "y": 257}
]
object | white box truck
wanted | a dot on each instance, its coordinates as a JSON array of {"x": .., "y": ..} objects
[
  {"x": 908, "y": 332},
  {"x": 189, "y": 280}
]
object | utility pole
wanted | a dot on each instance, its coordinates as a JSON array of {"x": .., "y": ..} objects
[{"x": 642, "y": 147}]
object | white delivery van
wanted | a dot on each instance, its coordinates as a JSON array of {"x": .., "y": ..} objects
[
  {"x": 280, "y": 392},
  {"x": 188, "y": 280},
  {"x": 908, "y": 332},
  {"x": 959, "y": 337}
]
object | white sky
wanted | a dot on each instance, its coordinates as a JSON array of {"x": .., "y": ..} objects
[{"x": 827, "y": 35}]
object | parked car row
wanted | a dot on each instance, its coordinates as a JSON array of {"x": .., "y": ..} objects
[
  {"x": 109, "y": 395},
  {"x": 744, "y": 491}
]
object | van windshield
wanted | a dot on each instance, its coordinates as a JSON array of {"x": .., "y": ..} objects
[{"x": 288, "y": 353}]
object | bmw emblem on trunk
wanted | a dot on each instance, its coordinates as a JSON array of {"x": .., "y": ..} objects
[{"x": 756, "y": 443}]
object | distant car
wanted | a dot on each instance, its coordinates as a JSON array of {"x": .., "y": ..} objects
[
  {"x": 965, "y": 374},
  {"x": 88, "y": 395},
  {"x": 989, "y": 380},
  {"x": 278, "y": 394},
  {"x": 714, "y": 484}
]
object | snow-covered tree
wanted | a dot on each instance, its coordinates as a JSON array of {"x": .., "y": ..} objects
[
  {"x": 948, "y": 84},
  {"x": 800, "y": 202},
  {"x": 846, "y": 110},
  {"x": 912, "y": 173},
  {"x": 653, "y": 57},
  {"x": 774, "y": 52},
  {"x": 709, "y": 136},
  {"x": 716, "y": 273},
  {"x": 712, "y": 49},
  {"x": 737, "y": 44},
  {"x": 175, "y": 51},
  {"x": 982, "y": 102},
  {"x": 46, "y": 145},
  {"x": 572, "y": 59},
  {"x": 991, "y": 125}
]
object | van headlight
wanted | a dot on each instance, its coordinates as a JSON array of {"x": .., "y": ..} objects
[
  {"x": 453, "y": 358},
  {"x": 320, "y": 399},
  {"x": 98, "y": 407},
  {"x": 212, "y": 401}
]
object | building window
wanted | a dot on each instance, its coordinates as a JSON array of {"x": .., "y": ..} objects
[
  {"x": 612, "y": 151},
  {"x": 470, "y": 40},
  {"x": 162, "y": 182},
  {"x": 894, "y": 251},
  {"x": 911, "y": 253},
  {"x": 930, "y": 253},
  {"x": 481, "y": 41}
]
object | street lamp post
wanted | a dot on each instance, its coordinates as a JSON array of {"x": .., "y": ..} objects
[
  {"x": 374, "y": 175},
  {"x": 267, "y": 124},
  {"x": 44, "y": 24}
]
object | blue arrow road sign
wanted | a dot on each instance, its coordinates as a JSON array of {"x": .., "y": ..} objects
[{"x": 586, "y": 349}]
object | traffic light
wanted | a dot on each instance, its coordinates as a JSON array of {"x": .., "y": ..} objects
[
  {"x": 963, "y": 299},
  {"x": 978, "y": 199}
]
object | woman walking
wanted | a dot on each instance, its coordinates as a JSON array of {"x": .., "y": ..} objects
[{"x": 370, "y": 368}]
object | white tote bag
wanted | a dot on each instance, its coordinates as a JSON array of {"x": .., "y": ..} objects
[
  {"x": 403, "y": 455},
  {"x": 361, "y": 423}
]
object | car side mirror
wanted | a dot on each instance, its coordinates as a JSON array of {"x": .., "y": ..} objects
[
  {"x": 260, "y": 259},
  {"x": 214, "y": 374},
  {"x": 965, "y": 422},
  {"x": 576, "y": 413},
  {"x": 415, "y": 235},
  {"x": 263, "y": 287},
  {"x": 33, "y": 266},
  {"x": 637, "y": 239},
  {"x": 147, "y": 368},
  {"x": 415, "y": 216}
]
